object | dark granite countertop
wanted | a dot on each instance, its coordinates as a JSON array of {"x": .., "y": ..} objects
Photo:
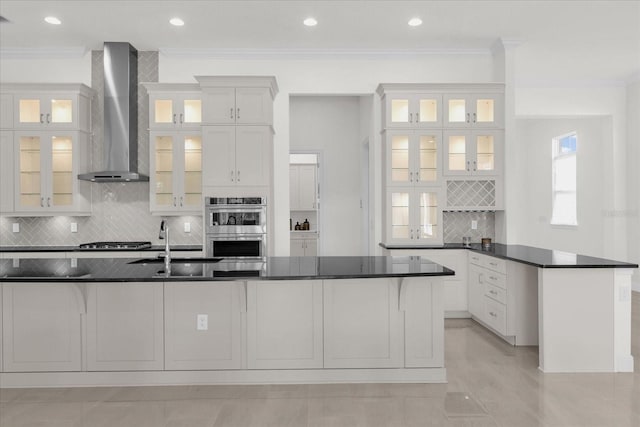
[
  {"x": 537, "y": 257},
  {"x": 77, "y": 249},
  {"x": 271, "y": 268}
]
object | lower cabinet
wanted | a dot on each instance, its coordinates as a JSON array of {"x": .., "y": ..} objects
[
  {"x": 362, "y": 324},
  {"x": 304, "y": 247},
  {"x": 203, "y": 325},
  {"x": 125, "y": 327},
  {"x": 421, "y": 300},
  {"x": 42, "y": 327},
  {"x": 284, "y": 325}
]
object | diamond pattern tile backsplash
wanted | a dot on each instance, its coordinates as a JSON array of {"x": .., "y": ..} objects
[
  {"x": 120, "y": 210},
  {"x": 458, "y": 224}
]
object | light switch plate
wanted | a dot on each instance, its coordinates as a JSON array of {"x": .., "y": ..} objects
[
  {"x": 187, "y": 227},
  {"x": 16, "y": 227},
  {"x": 474, "y": 224},
  {"x": 202, "y": 322},
  {"x": 74, "y": 227}
]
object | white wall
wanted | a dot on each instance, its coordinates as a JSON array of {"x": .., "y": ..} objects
[
  {"x": 75, "y": 68},
  {"x": 535, "y": 143},
  {"x": 331, "y": 125},
  {"x": 609, "y": 101},
  {"x": 633, "y": 168}
]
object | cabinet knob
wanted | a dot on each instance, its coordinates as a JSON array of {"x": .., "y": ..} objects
[
  {"x": 474, "y": 117},
  {"x": 410, "y": 176},
  {"x": 174, "y": 202},
  {"x": 42, "y": 118},
  {"x": 475, "y": 166},
  {"x": 48, "y": 202},
  {"x": 237, "y": 176},
  {"x": 181, "y": 119},
  {"x": 181, "y": 199},
  {"x": 468, "y": 165},
  {"x": 468, "y": 117},
  {"x": 42, "y": 202},
  {"x": 418, "y": 233},
  {"x": 231, "y": 113},
  {"x": 417, "y": 117},
  {"x": 174, "y": 119},
  {"x": 231, "y": 176},
  {"x": 410, "y": 117},
  {"x": 238, "y": 113}
]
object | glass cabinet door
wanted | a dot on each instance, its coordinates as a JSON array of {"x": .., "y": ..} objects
[
  {"x": 398, "y": 156},
  {"x": 427, "y": 158},
  {"x": 473, "y": 110},
  {"x": 428, "y": 109},
  {"x": 428, "y": 221},
  {"x": 484, "y": 153},
  {"x": 42, "y": 111},
  {"x": 456, "y": 153},
  {"x": 176, "y": 111},
  {"x": 399, "y": 215},
  {"x": 30, "y": 111},
  {"x": 30, "y": 191},
  {"x": 192, "y": 172},
  {"x": 421, "y": 110},
  {"x": 163, "y": 172},
  {"x": 457, "y": 109},
  {"x": 398, "y": 111},
  {"x": 192, "y": 111},
  {"x": 163, "y": 111},
  {"x": 62, "y": 172}
]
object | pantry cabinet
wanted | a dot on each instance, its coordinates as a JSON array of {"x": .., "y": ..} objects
[
  {"x": 175, "y": 106},
  {"x": 413, "y": 215},
  {"x": 412, "y": 157},
  {"x": 41, "y": 327},
  {"x": 46, "y": 169},
  {"x": 176, "y": 172},
  {"x": 472, "y": 153},
  {"x": 125, "y": 327},
  {"x": 237, "y": 155},
  {"x": 203, "y": 325}
]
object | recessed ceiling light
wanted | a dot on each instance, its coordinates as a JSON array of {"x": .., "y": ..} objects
[
  {"x": 415, "y": 22},
  {"x": 310, "y": 22},
  {"x": 52, "y": 20},
  {"x": 176, "y": 21}
]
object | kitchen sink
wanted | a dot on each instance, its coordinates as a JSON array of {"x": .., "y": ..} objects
[{"x": 176, "y": 260}]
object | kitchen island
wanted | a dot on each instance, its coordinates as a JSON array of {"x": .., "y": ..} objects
[{"x": 90, "y": 322}]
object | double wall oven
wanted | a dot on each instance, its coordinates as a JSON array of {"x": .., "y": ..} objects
[{"x": 236, "y": 227}]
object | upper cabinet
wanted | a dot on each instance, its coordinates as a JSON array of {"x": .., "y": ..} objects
[
  {"x": 6, "y": 111},
  {"x": 412, "y": 110},
  {"x": 474, "y": 110},
  {"x": 49, "y": 106},
  {"x": 237, "y": 100},
  {"x": 303, "y": 187},
  {"x": 174, "y": 106},
  {"x": 472, "y": 152},
  {"x": 412, "y": 157}
]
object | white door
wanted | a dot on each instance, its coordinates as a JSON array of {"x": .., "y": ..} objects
[
  {"x": 362, "y": 324},
  {"x": 307, "y": 187},
  {"x": 252, "y": 155},
  {"x": 284, "y": 324},
  {"x": 297, "y": 247},
  {"x": 203, "y": 325},
  {"x": 41, "y": 327},
  {"x": 219, "y": 106},
  {"x": 421, "y": 299},
  {"x": 219, "y": 155},
  {"x": 476, "y": 291},
  {"x": 253, "y": 106},
  {"x": 125, "y": 327}
]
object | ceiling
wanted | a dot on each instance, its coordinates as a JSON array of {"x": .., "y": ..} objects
[{"x": 559, "y": 40}]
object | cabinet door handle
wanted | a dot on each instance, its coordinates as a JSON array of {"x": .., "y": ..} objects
[
  {"x": 468, "y": 117},
  {"x": 468, "y": 163},
  {"x": 475, "y": 166},
  {"x": 181, "y": 201},
  {"x": 42, "y": 118},
  {"x": 410, "y": 117},
  {"x": 48, "y": 118},
  {"x": 481, "y": 278},
  {"x": 495, "y": 264},
  {"x": 492, "y": 292},
  {"x": 181, "y": 120},
  {"x": 48, "y": 202},
  {"x": 410, "y": 176},
  {"x": 417, "y": 176},
  {"x": 174, "y": 119},
  {"x": 231, "y": 113},
  {"x": 417, "y": 117},
  {"x": 238, "y": 176},
  {"x": 492, "y": 314},
  {"x": 411, "y": 234},
  {"x": 474, "y": 117},
  {"x": 174, "y": 202},
  {"x": 42, "y": 202},
  {"x": 238, "y": 113},
  {"x": 493, "y": 278},
  {"x": 418, "y": 233}
]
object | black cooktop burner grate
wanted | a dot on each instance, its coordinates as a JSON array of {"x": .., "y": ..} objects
[{"x": 116, "y": 245}]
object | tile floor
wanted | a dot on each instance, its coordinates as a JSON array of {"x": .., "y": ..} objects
[{"x": 490, "y": 384}]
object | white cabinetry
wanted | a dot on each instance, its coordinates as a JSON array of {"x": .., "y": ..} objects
[
  {"x": 51, "y": 106},
  {"x": 174, "y": 106},
  {"x": 6, "y": 111},
  {"x": 203, "y": 325},
  {"x": 474, "y": 110},
  {"x": 421, "y": 300},
  {"x": 125, "y": 327},
  {"x": 176, "y": 172},
  {"x": 7, "y": 174},
  {"x": 41, "y": 327},
  {"x": 362, "y": 324},
  {"x": 284, "y": 325},
  {"x": 242, "y": 105},
  {"x": 414, "y": 215},
  {"x": 503, "y": 295},
  {"x": 237, "y": 155},
  {"x": 472, "y": 152},
  {"x": 304, "y": 244},
  {"x": 412, "y": 109},
  {"x": 303, "y": 187},
  {"x": 413, "y": 157}
]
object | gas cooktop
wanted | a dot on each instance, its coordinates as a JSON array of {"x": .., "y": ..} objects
[{"x": 116, "y": 245}]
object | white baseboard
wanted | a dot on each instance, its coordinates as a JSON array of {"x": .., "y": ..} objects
[{"x": 457, "y": 314}]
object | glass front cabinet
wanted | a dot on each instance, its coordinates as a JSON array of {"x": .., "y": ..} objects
[
  {"x": 472, "y": 152},
  {"x": 51, "y": 107},
  {"x": 176, "y": 173},
  {"x": 46, "y": 174},
  {"x": 409, "y": 110},
  {"x": 414, "y": 215},
  {"x": 476, "y": 111},
  {"x": 171, "y": 111},
  {"x": 412, "y": 157}
]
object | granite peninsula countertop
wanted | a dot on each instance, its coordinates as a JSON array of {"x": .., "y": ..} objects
[
  {"x": 67, "y": 248},
  {"x": 537, "y": 257},
  {"x": 270, "y": 268}
]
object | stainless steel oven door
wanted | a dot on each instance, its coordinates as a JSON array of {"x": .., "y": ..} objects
[
  {"x": 236, "y": 220},
  {"x": 236, "y": 246}
]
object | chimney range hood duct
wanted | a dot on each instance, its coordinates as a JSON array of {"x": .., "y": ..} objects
[{"x": 120, "y": 116}]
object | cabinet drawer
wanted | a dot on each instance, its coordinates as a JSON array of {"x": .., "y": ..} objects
[
  {"x": 476, "y": 259},
  {"x": 495, "y": 314},
  {"x": 495, "y": 279},
  {"x": 496, "y": 264},
  {"x": 495, "y": 293}
]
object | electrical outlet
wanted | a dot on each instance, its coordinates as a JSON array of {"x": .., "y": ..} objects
[
  {"x": 202, "y": 322},
  {"x": 74, "y": 262},
  {"x": 74, "y": 227},
  {"x": 16, "y": 227},
  {"x": 187, "y": 227},
  {"x": 474, "y": 224}
]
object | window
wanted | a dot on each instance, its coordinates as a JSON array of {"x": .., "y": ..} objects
[{"x": 564, "y": 182}]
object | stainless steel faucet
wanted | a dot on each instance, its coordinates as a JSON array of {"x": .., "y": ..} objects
[{"x": 164, "y": 234}]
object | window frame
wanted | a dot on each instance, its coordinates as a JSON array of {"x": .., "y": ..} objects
[{"x": 555, "y": 155}]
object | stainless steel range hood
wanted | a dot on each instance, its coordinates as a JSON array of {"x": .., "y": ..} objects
[{"x": 120, "y": 116}]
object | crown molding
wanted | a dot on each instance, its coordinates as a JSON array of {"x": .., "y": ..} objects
[
  {"x": 43, "y": 52},
  {"x": 313, "y": 53},
  {"x": 569, "y": 83}
]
